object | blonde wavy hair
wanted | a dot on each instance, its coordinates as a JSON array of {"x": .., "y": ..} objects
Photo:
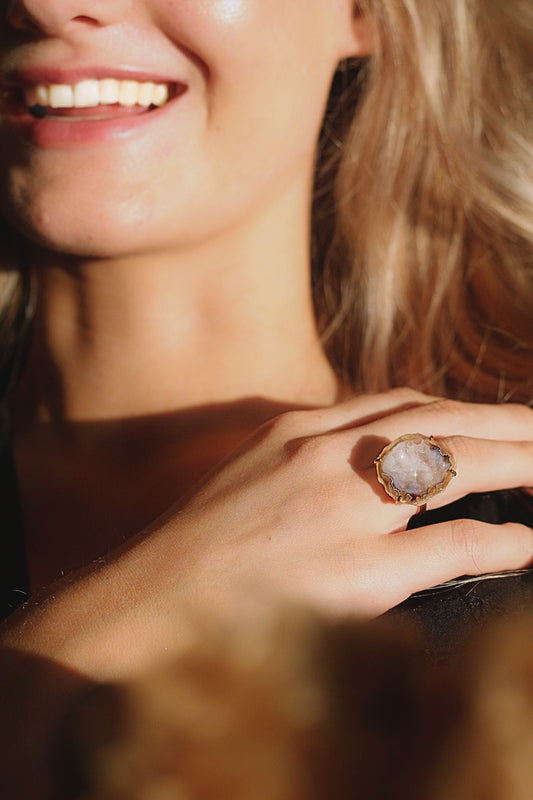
[
  {"x": 423, "y": 249},
  {"x": 423, "y": 210}
]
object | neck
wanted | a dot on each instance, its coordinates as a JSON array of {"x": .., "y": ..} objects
[{"x": 148, "y": 334}]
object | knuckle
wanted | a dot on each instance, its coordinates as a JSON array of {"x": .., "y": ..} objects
[
  {"x": 286, "y": 426},
  {"x": 463, "y": 448},
  {"x": 469, "y": 543},
  {"x": 312, "y": 450},
  {"x": 524, "y": 449},
  {"x": 408, "y": 394},
  {"x": 452, "y": 409},
  {"x": 524, "y": 415}
]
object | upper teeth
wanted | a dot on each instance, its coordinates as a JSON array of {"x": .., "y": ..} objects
[{"x": 92, "y": 93}]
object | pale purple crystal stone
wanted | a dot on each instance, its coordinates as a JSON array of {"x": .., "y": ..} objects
[{"x": 414, "y": 467}]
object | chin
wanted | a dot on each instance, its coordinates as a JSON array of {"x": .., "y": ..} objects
[
  {"x": 75, "y": 241},
  {"x": 76, "y": 229}
]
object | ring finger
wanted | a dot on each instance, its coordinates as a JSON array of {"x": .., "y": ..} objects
[{"x": 481, "y": 465}]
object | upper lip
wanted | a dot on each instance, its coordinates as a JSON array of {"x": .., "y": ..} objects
[{"x": 48, "y": 75}]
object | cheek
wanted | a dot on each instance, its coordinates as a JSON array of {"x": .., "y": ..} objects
[
  {"x": 270, "y": 66},
  {"x": 228, "y": 12},
  {"x": 225, "y": 36}
]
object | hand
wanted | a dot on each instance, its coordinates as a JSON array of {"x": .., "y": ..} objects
[
  {"x": 305, "y": 516},
  {"x": 297, "y": 514}
]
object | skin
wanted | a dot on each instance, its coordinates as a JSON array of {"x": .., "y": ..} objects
[
  {"x": 182, "y": 235},
  {"x": 161, "y": 346}
]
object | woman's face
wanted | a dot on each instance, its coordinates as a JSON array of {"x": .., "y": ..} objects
[{"x": 247, "y": 83}]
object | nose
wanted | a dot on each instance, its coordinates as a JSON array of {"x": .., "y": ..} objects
[{"x": 52, "y": 17}]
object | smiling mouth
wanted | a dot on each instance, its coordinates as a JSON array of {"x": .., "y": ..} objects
[{"x": 96, "y": 99}]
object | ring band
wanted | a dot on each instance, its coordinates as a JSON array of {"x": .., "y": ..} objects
[{"x": 414, "y": 468}]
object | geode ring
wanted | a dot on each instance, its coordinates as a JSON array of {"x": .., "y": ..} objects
[{"x": 414, "y": 468}]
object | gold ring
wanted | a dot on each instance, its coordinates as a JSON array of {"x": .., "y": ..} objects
[{"x": 414, "y": 468}]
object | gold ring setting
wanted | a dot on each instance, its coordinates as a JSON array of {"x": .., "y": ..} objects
[{"x": 414, "y": 468}]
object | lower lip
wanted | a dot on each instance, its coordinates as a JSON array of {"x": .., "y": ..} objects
[{"x": 64, "y": 132}]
